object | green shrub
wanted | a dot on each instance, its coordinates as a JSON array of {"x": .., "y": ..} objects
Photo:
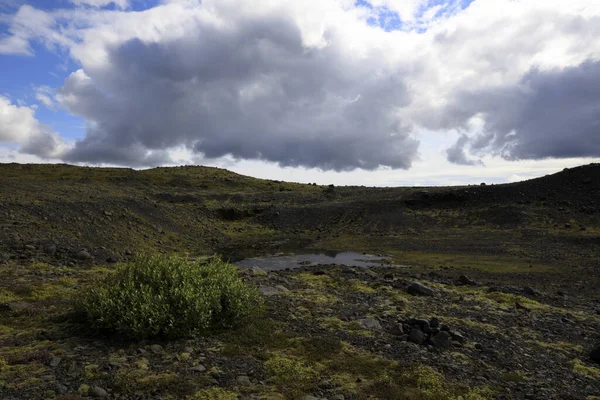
[{"x": 160, "y": 296}]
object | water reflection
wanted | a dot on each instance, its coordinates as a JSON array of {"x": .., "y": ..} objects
[{"x": 279, "y": 262}]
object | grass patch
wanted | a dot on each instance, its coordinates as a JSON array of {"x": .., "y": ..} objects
[
  {"x": 585, "y": 370},
  {"x": 159, "y": 296}
]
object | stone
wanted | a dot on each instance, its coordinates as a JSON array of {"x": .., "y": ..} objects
[
  {"x": 61, "y": 389},
  {"x": 156, "y": 348},
  {"x": 434, "y": 322},
  {"x": 530, "y": 291},
  {"x": 416, "y": 336},
  {"x": 370, "y": 323},
  {"x": 243, "y": 380},
  {"x": 198, "y": 368},
  {"x": 397, "y": 330},
  {"x": 83, "y": 255},
  {"x": 465, "y": 280},
  {"x": 50, "y": 249},
  {"x": 55, "y": 362},
  {"x": 256, "y": 271},
  {"x": 4, "y": 257},
  {"x": 272, "y": 290},
  {"x": 30, "y": 247},
  {"x": 97, "y": 391},
  {"x": 595, "y": 354},
  {"x": 423, "y": 325},
  {"x": 17, "y": 306},
  {"x": 442, "y": 340},
  {"x": 418, "y": 289},
  {"x": 457, "y": 337}
]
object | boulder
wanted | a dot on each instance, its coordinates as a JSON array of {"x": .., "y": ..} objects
[
  {"x": 397, "y": 330},
  {"x": 416, "y": 336},
  {"x": 465, "y": 280},
  {"x": 97, "y": 391},
  {"x": 442, "y": 340},
  {"x": 595, "y": 354},
  {"x": 370, "y": 323},
  {"x": 418, "y": 289},
  {"x": 83, "y": 255}
]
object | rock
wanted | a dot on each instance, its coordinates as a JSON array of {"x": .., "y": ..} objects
[
  {"x": 55, "y": 362},
  {"x": 156, "y": 348},
  {"x": 97, "y": 391},
  {"x": 397, "y": 330},
  {"x": 50, "y": 249},
  {"x": 595, "y": 354},
  {"x": 434, "y": 322},
  {"x": 338, "y": 397},
  {"x": 307, "y": 398},
  {"x": 112, "y": 260},
  {"x": 418, "y": 289},
  {"x": 416, "y": 336},
  {"x": 370, "y": 323},
  {"x": 457, "y": 337},
  {"x": 465, "y": 280},
  {"x": 243, "y": 380},
  {"x": 198, "y": 368},
  {"x": 272, "y": 290},
  {"x": 4, "y": 257},
  {"x": 530, "y": 291},
  {"x": 17, "y": 306},
  {"x": 442, "y": 340},
  {"x": 30, "y": 247},
  {"x": 423, "y": 325},
  {"x": 256, "y": 271},
  {"x": 61, "y": 389},
  {"x": 83, "y": 255}
]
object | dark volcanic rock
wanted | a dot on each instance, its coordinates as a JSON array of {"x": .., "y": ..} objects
[
  {"x": 418, "y": 289},
  {"x": 416, "y": 336},
  {"x": 465, "y": 280},
  {"x": 595, "y": 354},
  {"x": 442, "y": 340}
]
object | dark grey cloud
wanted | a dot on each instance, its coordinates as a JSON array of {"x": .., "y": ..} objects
[
  {"x": 548, "y": 114},
  {"x": 252, "y": 92},
  {"x": 457, "y": 154}
]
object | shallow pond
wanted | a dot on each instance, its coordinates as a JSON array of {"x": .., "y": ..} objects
[{"x": 278, "y": 262}]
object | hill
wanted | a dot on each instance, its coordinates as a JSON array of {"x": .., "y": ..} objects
[{"x": 496, "y": 296}]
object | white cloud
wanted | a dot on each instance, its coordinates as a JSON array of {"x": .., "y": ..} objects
[
  {"x": 101, "y": 3},
  {"x": 18, "y": 125}
]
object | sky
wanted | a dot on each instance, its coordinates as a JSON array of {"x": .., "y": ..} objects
[{"x": 367, "y": 92}]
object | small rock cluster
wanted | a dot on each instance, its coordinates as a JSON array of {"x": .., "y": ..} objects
[{"x": 427, "y": 333}]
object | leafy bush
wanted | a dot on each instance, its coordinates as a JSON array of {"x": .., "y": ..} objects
[{"x": 160, "y": 296}]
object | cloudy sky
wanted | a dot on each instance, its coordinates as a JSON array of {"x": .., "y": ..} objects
[{"x": 368, "y": 92}]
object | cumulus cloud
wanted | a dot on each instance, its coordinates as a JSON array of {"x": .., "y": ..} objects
[
  {"x": 18, "y": 125},
  {"x": 255, "y": 88},
  {"x": 553, "y": 113}
]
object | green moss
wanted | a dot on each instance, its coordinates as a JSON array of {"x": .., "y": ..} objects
[
  {"x": 293, "y": 375},
  {"x": 560, "y": 346},
  {"x": 214, "y": 393},
  {"x": 514, "y": 376},
  {"x": 585, "y": 370}
]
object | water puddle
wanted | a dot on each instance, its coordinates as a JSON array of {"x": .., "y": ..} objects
[{"x": 283, "y": 261}]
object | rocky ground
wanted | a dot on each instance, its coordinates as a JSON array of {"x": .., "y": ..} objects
[{"x": 501, "y": 300}]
